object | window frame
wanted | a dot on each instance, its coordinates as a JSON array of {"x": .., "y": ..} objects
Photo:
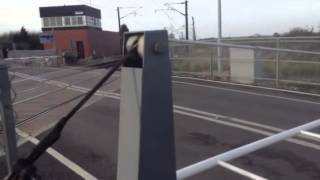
[{"x": 70, "y": 21}]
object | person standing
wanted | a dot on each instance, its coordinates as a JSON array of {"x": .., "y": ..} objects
[{"x": 5, "y": 53}]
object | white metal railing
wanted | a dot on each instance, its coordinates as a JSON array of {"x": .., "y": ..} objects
[
  {"x": 268, "y": 38},
  {"x": 246, "y": 60},
  {"x": 246, "y": 149},
  {"x": 297, "y": 69},
  {"x": 215, "y": 44}
]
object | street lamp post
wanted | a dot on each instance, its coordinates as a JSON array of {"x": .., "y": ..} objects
[{"x": 219, "y": 50}]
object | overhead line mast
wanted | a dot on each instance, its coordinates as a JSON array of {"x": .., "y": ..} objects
[{"x": 185, "y": 14}]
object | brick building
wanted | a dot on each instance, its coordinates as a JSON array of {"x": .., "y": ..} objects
[{"x": 77, "y": 29}]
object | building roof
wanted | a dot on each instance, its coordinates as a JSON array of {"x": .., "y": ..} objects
[{"x": 74, "y": 10}]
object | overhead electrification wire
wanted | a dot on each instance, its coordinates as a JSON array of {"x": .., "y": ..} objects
[{"x": 171, "y": 20}]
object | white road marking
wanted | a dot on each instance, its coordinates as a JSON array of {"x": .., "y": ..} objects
[
  {"x": 251, "y": 86},
  {"x": 31, "y": 89},
  {"x": 51, "y": 125},
  {"x": 249, "y": 93},
  {"x": 224, "y": 122},
  {"x": 20, "y": 80},
  {"x": 234, "y": 124},
  {"x": 26, "y": 77},
  {"x": 62, "y": 86},
  {"x": 29, "y": 77},
  {"x": 240, "y": 171},
  {"x": 58, "y": 156},
  {"x": 89, "y": 103},
  {"x": 36, "y": 96},
  {"x": 247, "y": 128},
  {"x": 217, "y": 116},
  {"x": 240, "y": 121}
]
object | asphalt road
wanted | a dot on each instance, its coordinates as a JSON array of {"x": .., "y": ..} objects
[{"x": 90, "y": 140}]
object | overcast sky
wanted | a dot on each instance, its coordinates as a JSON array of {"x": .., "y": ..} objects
[{"x": 240, "y": 17}]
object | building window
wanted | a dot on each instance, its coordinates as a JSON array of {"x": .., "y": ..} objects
[
  {"x": 97, "y": 22},
  {"x": 59, "y": 21},
  {"x": 80, "y": 20},
  {"x": 52, "y": 21},
  {"x": 74, "y": 20},
  {"x": 91, "y": 21},
  {"x": 46, "y": 22},
  {"x": 67, "y": 21}
]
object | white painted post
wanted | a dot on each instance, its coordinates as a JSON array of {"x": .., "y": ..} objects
[{"x": 219, "y": 48}]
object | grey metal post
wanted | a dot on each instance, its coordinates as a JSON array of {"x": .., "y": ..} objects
[
  {"x": 277, "y": 62},
  {"x": 187, "y": 19},
  {"x": 146, "y": 130},
  {"x": 7, "y": 118},
  {"x": 219, "y": 37},
  {"x": 119, "y": 26},
  {"x": 211, "y": 63},
  {"x": 119, "y": 18}
]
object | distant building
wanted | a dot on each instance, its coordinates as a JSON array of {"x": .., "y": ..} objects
[{"x": 77, "y": 29}]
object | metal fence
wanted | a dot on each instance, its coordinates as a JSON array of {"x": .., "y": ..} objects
[
  {"x": 286, "y": 63},
  {"x": 266, "y": 63}
]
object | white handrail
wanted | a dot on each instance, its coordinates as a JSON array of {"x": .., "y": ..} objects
[
  {"x": 243, "y": 150},
  {"x": 267, "y": 38}
]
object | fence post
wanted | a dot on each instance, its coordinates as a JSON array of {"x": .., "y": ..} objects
[
  {"x": 146, "y": 147},
  {"x": 7, "y": 118},
  {"x": 277, "y": 62}
]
